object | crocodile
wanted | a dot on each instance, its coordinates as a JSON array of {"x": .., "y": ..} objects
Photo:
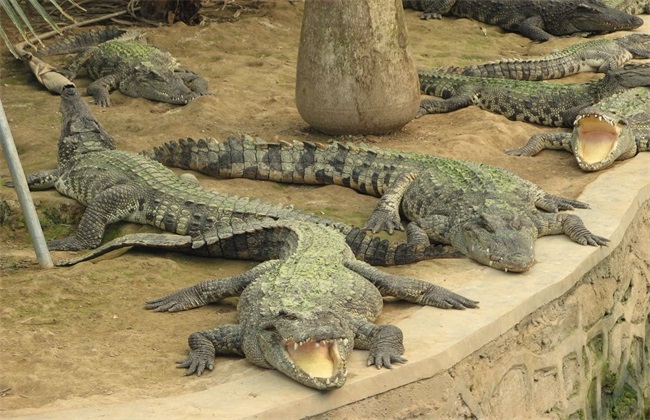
[
  {"x": 484, "y": 212},
  {"x": 617, "y": 128},
  {"x": 600, "y": 55},
  {"x": 551, "y": 104},
  {"x": 302, "y": 310},
  {"x": 121, "y": 60},
  {"x": 635, "y": 7},
  {"x": 538, "y": 20},
  {"x": 116, "y": 185}
]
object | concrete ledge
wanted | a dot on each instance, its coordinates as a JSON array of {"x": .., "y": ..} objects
[{"x": 435, "y": 340}]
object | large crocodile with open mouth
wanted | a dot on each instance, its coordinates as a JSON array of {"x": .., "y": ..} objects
[
  {"x": 599, "y": 55},
  {"x": 487, "y": 213},
  {"x": 617, "y": 128},
  {"x": 116, "y": 59},
  {"x": 302, "y": 311},
  {"x": 538, "y": 20},
  {"x": 552, "y": 104}
]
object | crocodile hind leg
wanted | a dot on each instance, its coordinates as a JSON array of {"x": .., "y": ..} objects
[
  {"x": 110, "y": 206},
  {"x": 570, "y": 225},
  {"x": 72, "y": 68},
  {"x": 386, "y": 215},
  {"x": 410, "y": 289},
  {"x": 209, "y": 291},
  {"x": 554, "y": 203},
  {"x": 539, "y": 142}
]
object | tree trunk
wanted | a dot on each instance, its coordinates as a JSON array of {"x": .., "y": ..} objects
[{"x": 355, "y": 72}]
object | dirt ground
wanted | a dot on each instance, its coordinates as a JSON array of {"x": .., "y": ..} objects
[{"x": 76, "y": 336}]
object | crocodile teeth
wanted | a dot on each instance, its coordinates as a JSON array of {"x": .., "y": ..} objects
[
  {"x": 317, "y": 345},
  {"x": 295, "y": 345}
]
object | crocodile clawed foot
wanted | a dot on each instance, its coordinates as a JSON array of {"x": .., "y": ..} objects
[
  {"x": 385, "y": 360},
  {"x": 196, "y": 363},
  {"x": 383, "y": 221},
  {"x": 446, "y": 299}
]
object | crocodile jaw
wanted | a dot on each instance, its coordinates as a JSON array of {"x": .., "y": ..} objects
[
  {"x": 595, "y": 140},
  {"x": 319, "y": 363}
]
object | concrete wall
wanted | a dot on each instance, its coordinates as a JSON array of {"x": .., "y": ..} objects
[{"x": 584, "y": 355}]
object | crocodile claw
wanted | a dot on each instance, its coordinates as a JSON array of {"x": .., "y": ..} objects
[
  {"x": 196, "y": 363},
  {"x": 384, "y": 360}
]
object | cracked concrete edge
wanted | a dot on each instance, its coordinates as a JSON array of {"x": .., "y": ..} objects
[{"x": 435, "y": 340}]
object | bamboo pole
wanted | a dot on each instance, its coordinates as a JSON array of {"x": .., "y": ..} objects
[{"x": 22, "y": 190}]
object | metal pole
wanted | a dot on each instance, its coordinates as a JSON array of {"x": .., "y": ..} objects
[{"x": 22, "y": 190}]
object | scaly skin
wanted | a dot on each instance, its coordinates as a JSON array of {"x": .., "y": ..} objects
[
  {"x": 302, "y": 310},
  {"x": 600, "y": 55},
  {"x": 551, "y": 104},
  {"x": 487, "y": 213},
  {"x": 538, "y": 20},
  {"x": 117, "y": 185},
  {"x": 134, "y": 68},
  {"x": 615, "y": 129},
  {"x": 635, "y": 7}
]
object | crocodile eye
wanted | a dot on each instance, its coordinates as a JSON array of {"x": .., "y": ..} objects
[
  {"x": 286, "y": 315},
  {"x": 585, "y": 8}
]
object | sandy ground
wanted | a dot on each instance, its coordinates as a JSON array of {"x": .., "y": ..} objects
[{"x": 76, "y": 336}]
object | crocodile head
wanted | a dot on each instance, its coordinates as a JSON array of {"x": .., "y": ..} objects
[
  {"x": 309, "y": 348},
  {"x": 599, "y": 138},
  {"x": 162, "y": 85},
  {"x": 500, "y": 240},
  {"x": 637, "y": 44},
  {"x": 593, "y": 16},
  {"x": 79, "y": 128}
]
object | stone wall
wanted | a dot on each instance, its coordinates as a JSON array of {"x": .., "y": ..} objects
[{"x": 584, "y": 355}]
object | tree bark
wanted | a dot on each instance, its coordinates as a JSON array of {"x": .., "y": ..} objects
[{"x": 355, "y": 73}]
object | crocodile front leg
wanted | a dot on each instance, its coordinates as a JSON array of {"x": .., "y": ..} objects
[
  {"x": 533, "y": 29},
  {"x": 110, "y": 206},
  {"x": 100, "y": 88},
  {"x": 539, "y": 142},
  {"x": 386, "y": 214},
  {"x": 205, "y": 345},
  {"x": 409, "y": 289},
  {"x": 209, "y": 291},
  {"x": 439, "y": 106},
  {"x": 385, "y": 342},
  {"x": 570, "y": 225},
  {"x": 194, "y": 81}
]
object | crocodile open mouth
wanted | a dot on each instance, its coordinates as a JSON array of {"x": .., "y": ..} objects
[
  {"x": 318, "y": 359},
  {"x": 597, "y": 136}
]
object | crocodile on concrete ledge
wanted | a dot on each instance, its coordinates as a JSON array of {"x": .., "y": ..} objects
[
  {"x": 552, "y": 104},
  {"x": 600, "y": 55},
  {"x": 487, "y": 213},
  {"x": 303, "y": 310},
  {"x": 538, "y": 20},
  {"x": 615, "y": 129},
  {"x": 133, "y": 67},
  {"x": 116, "y": 185}
]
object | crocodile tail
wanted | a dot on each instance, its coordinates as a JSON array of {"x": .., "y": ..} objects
[
  {"x": 250, "y": 158},
  {"x": 382, "y": 252},
  {"x": 81, "y": 42},
  {"x": 359, "y": 167}
]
